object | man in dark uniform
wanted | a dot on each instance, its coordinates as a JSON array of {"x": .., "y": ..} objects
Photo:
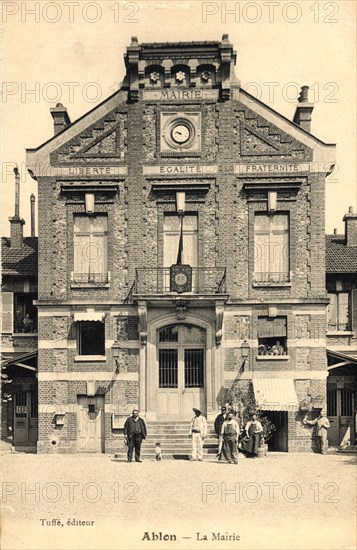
[
  {"x": 134, "y": 433},
  {"x": 218, "y": 428}
]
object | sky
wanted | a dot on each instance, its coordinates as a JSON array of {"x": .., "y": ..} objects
[{"x": 72, "y": 52}]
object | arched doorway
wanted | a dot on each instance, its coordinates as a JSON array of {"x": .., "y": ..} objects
[{"x": 180, "y": 371}]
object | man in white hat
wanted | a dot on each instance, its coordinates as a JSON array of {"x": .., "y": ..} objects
[{"x": 198, "y": 432}]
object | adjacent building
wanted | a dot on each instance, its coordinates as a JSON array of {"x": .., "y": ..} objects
[
  {"x": 341, "y": 285},
  {"x": 19, "y": 400},
  {"x": 181, "y": 254}
]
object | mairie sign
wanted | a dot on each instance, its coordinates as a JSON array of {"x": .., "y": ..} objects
[{"x": 181, "y": 95}]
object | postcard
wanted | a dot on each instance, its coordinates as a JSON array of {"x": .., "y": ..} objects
[{"x": 179, "y": 248}]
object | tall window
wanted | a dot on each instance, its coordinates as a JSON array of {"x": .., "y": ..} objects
[
  {"x": 90, "y": 249},
  {"x": 189, "y": 245},
  {"x": 271, "y": 248},
  {"x": 172, "y": 229},
  {"x": 338, "y": 311}
]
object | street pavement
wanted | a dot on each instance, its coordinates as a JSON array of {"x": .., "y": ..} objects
[{"x": 288, "y": 501}]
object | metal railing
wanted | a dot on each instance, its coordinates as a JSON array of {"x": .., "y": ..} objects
[
  {"x": 205, "y": 280},
  {"x": 90, "y": 278},
  {"x": 271, "y": 277}
]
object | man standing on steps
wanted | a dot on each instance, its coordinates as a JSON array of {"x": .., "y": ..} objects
[
  {"x": 134, "y": 433},
  {"x": 198, "y": 432}
]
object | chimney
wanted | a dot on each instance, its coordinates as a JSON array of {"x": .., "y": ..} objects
[
  {"x": 350, "y": 220},
  {"x": 32, "y": 202},
  {"x": 60, "y": 118},
  {"x": 302, "y": 115},
  {"x": 17, "y": 223}
]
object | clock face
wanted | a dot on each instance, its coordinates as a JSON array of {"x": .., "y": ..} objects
[
  {"x": 180, "y": 279},
  {"x": 180, "y": 133}
]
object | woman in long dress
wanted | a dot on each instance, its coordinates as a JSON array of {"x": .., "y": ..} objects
[{"x": 250, "y": 442}]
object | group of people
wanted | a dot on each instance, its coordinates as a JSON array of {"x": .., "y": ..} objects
[
  {"x": 228, "y": 432},
  {"x": 23, "y": 324},
  {"x": 227, "y": 429},
  {"x": 276, "y": 349}
]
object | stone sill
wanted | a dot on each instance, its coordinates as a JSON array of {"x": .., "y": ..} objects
[
  {"x": 87, "y": 358},
  {"x": 339, "y": 333},
  {"x": 90, "y": 285},
  {"x": 24, "y": 335},
  {"x": 270, "y": 285},
  {"x": 272, "y": 357}
]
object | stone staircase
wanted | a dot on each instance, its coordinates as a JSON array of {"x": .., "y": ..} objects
[
  {"x": 175, "y": 442},
  {"x": 350, "y": 449}
]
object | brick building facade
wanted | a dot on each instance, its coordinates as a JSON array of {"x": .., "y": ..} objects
[{"x": 181, "y": 254}]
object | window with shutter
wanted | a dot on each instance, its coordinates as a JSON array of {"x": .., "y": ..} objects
[
  {"x": 338, "y": 311},
  {"x": 7, "y": 301},
  {"x": 354, "y": 309}
]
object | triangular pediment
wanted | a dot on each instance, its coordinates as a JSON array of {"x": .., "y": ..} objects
[
  {"x": 105, "y": 139},
  {"x": 106, "y": 144},
  {"x": 259, "y": 137},
  {"x": 255, "y": 141}
]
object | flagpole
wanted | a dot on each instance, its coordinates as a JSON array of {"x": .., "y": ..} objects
[{"x": 180, "y": 248}]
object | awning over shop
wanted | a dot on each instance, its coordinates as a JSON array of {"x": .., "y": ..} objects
[
  {"x": 275, "y": 394},
  {"x": 19, "y": 359},
  {"x": 342, "y": 358},
  {"x": 89, "y": 316}
]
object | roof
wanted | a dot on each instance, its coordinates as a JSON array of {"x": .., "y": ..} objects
[
  {"x": 350, "y": 356},
  {"x": 14, "y": 357},
  {"x": 339, "y": 257},
  {"x": 20, "y": 261}
]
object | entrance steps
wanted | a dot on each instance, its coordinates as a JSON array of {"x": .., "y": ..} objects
[
  {"x": 350, "y": 449},
  {"x": 174, "y": 441}
]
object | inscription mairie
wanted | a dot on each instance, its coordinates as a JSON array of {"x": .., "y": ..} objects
[
  {"x": 173, "y": 169},
  {"x": 182, "y": 95}
]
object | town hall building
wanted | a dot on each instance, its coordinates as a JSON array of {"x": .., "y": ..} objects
[{"x": 181, "y": 254}]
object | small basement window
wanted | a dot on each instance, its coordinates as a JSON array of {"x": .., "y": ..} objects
[
  {"x": 91, "y": 338},
  {"x": 272, "y": 336}
]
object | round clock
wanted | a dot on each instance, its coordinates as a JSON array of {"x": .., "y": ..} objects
[
  {"x": 180, "y": 279},
  {"x": 180, "y": 133}
]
